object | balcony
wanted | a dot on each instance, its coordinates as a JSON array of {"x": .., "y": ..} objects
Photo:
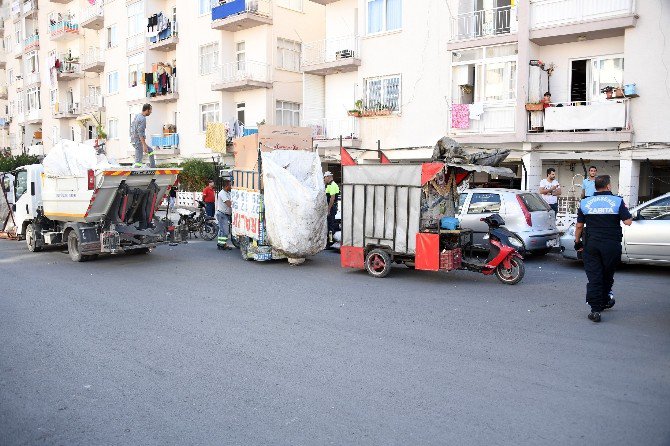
[
  {"x": 31, "y": 79},
  {"x": 166, "y": 40},
  {"x": 239, "y": 15},
  {"x": 70, "y": 69},
  {"x": 561, "y": 21},
  {"x": 68, "y": 112},
  {"x": 170, "y": 95},
  {"x": 496, "y": 118},
  {"x": 93, "y": 103},
  {"x": 64, "y": 30},
  {"x": 586, "y": 121},
  {"x": 32, "y": 116},
  {"x": 93, "y": 61},
  {"x": 3, "y": 92},
  {"x": 15, "y": 10},
  {"x": 324, "y": 2},
  {"x": 62, "y": 2},
  {"x": 242, "y": 76},
  {"x": 93, "y": 17},
  {"x": 485, "y": 23},
  {"x": 331, "y": 56},
  {"x": 3, "y": 61},
  {"x": 327, "y": 132},
  {"x": 135, "y": 43},
  {"x": 29, "y": 8},
  {"x": 31, "y": 43},
  {"x": 166, "y": 144}
]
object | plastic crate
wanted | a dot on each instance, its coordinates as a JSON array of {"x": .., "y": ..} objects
[{"x": 450, "y": 259}]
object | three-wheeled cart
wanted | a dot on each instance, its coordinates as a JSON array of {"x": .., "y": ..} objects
[{"x": 393, "y": 213}]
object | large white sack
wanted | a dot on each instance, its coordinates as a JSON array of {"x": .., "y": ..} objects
[
  {"x": 294, "y": 198},
  {"x": 69, "y": 158}
]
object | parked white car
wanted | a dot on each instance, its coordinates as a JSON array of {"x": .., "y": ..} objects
[{"x": 647, "y": 240}]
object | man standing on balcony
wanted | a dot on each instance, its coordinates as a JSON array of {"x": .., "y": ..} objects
[
  {"x": 550, "y": 189},
  {"x": 138, "y": 137}
]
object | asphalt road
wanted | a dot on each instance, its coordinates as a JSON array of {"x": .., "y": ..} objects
[{"x": 190, "y": 345}]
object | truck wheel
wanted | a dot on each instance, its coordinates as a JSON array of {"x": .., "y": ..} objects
[
  {"x": 244, "y": 247},
  {"x": 378, "y": 263},
  {"x": 513, "y": 275},
  {"x": 31, "y": 238},
  {"x": 73, "y": 247}
]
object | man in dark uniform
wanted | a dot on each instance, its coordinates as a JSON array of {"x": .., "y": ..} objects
[
  {"x": 601, "y": 245},
  {"x": 332, "y": 193}
]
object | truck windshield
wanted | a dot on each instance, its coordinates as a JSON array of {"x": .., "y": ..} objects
[
  {"x": 21, "y": 183},
  {"x": 534, "y": 203}
]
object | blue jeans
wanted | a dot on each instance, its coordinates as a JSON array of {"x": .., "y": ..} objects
[
  {"x": 209, "y": 209},
  {"x": 224, "y": 228}
]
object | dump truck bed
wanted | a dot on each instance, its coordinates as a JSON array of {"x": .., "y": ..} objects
[{"x": 69, "y": 198}]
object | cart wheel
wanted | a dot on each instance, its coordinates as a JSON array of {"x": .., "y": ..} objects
[
  {"x": 513, "y": 275},
  {"x": 244, "y": 247},
  {"x": 378, "y": 263},
  {"x": 31, "y": 238}
]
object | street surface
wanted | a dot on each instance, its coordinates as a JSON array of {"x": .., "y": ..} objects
[{"x": 193, "y": 346}]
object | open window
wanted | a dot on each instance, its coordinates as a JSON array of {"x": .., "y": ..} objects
[{"x": 589, "y": 76}]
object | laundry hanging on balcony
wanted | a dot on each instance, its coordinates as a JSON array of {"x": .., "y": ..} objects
[
  {"x": 161, "y": 80},
  {"x": 159, "y": 27},
  {"x": 460, "y": 116},
  {"x": 216, "y": 136},
  {"x": 476, "y": 111}
]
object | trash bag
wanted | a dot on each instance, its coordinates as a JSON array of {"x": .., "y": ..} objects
[
  {"x": 294, "y": 199},
  {"x": 69, "y": 158}
]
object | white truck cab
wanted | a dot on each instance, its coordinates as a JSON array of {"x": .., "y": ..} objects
[{"x": 27, "y": 195}]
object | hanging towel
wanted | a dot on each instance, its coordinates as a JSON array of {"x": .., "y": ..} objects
[
  {"x": 476, "y": 110},
  {"x": 460, "y": 116},
  {"x": 215, "y": 137}
]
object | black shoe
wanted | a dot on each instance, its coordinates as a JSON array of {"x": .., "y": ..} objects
[
  {"x": 610, "y": 303},
  {"x": 594, "y": 316}
]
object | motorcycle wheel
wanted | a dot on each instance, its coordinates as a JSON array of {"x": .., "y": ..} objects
[
  {"x": 208, "y": 231},
  {"x": 513, "y": 275}
]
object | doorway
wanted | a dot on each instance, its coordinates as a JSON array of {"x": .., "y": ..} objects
[{"x": 579, "y": 80}]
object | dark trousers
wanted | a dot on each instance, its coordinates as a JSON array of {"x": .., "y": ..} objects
[
  {"x": 209, "y": 209},
  {"x": 601, "y": 259},
  {"x": 332, "y": 223},
  {"x": 554, "y": 207}
]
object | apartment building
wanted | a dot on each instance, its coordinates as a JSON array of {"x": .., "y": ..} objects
[
  {"x": 467, "y": 68},
  {"x": 77, "y": 67}
]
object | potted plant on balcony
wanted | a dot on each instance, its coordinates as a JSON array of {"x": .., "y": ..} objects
[
  {"x": 609, "y": 91},
  {"x": 101, "y": 132},
  {"x": 535, "y": 106},
  {"x": 356, "y": 112}
]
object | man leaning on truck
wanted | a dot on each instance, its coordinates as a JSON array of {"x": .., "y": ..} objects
[{"x": 138, "y": 137}]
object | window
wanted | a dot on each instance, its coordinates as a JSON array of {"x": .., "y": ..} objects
[
  {"x": 383, "y": 93},
  {"x": 500, "y": 81},
  {"x": 135, "y": 69},
  {"x": 112, "y": 128},
  {"x": 10, "y": 76},
  {"x": 534, "y": 203},
  {"x": 208, "y": 113},
  {"x": 112, "y": 36},
  {"x": 484, "y": 203},
  {"x": 33, "y": 99},
  {"x": 209, "y": 58},
  {"x": 288, "y": 54},
  {"x": 55, "y": 134},
  {"x": 53, "y": 96},
  {"x": 240, "y": 55},
  {"x": 658, "y": 210},
  {"x": 113, "y": 82},
  {"x": 605, "y": 72},
  {"x": 136, "y": 25},
  {"x": 296, "y": 5},
  {"x": 484, "y": 74},
  {"x": 205, "y": 6},
  {"x": 21, "y": 184},
  {"x": 32, "y": 64},
  {"x": 384, "y": 15},
  {"x": 287, "y": 113}
]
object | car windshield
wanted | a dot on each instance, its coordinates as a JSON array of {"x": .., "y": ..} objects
[{"x": 534, "y": 203}]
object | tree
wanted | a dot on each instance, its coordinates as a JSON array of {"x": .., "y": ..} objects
[
  {"x": 9, "y": 162},
  {"x": 195, "y": 174}
]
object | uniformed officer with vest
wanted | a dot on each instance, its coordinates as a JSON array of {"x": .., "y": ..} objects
[
  {"x": 598, "y": 234},
  {"x": 332, "y": 193}
]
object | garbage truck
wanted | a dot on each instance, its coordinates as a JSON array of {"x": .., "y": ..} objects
[{"x": 101, "y": 209}]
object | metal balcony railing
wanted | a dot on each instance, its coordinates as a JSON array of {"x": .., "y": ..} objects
[
  {"x": 165, "y": 141},
  {"x": 548, "y": 13},
  {"x": 31, "y": 43},
  {"x": 484, "y": 23},
  {"x": 93, "y": 55},
  {"x": 330, "y": 50},
  {"x": 29, "y": 6},
  {"x": 323, "y": 128},
  {"x": 91, "y": 12},
  {"x": 232, "y": 8},
  {"x": 93, "y": 102},
  {"x": 245, "y": 71},
  {"x": 63, "y": 28},
  {"x": 31, "y": 78},
  {"x": 608, "y": 115}
]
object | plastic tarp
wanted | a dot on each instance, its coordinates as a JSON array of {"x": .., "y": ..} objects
[
  {"x": 294, "y": 198},
  {"x": 72, "y": 159}
]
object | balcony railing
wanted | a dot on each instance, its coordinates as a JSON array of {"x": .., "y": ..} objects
[
  {"x": 93, "y": 102},
  {"x": 245, "y": 71},
  {"x": 610, "y": 115},
  {"x": 484, "y": 23},
  {"x": 31, "y": 79},
  {"x": 329, "y": 129},
  {"x": 70, "y": 67},
  {"x": 63, "y": 29},
  {"x": 92, "y": 16},
  {"x": 15, "y": 9},
  {"x": 497, "y": 117},
  {"x": 549, "y": 13},
  {"x": 134, "y": 43},
  {"x": 165, "y": 141},
  {"x": 330, "y": 50},
  {"x": 232, "y": 8},
  {"x": 31, "y": 43},
  {"x": 93, "y": 60},
  {"x": 29, "y": 7}
]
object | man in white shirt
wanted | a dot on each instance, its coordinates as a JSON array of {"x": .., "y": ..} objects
[
  {"x": 224, "y": 210},
  {"x": 550, "y": 189}
]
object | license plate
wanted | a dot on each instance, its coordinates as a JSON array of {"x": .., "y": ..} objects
[{"x": 552, "y": 243}]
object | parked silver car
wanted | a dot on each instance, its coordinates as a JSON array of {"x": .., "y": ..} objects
[
  {"x": 525, "y": 213},
  {"x": 647, "y": 240}
]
